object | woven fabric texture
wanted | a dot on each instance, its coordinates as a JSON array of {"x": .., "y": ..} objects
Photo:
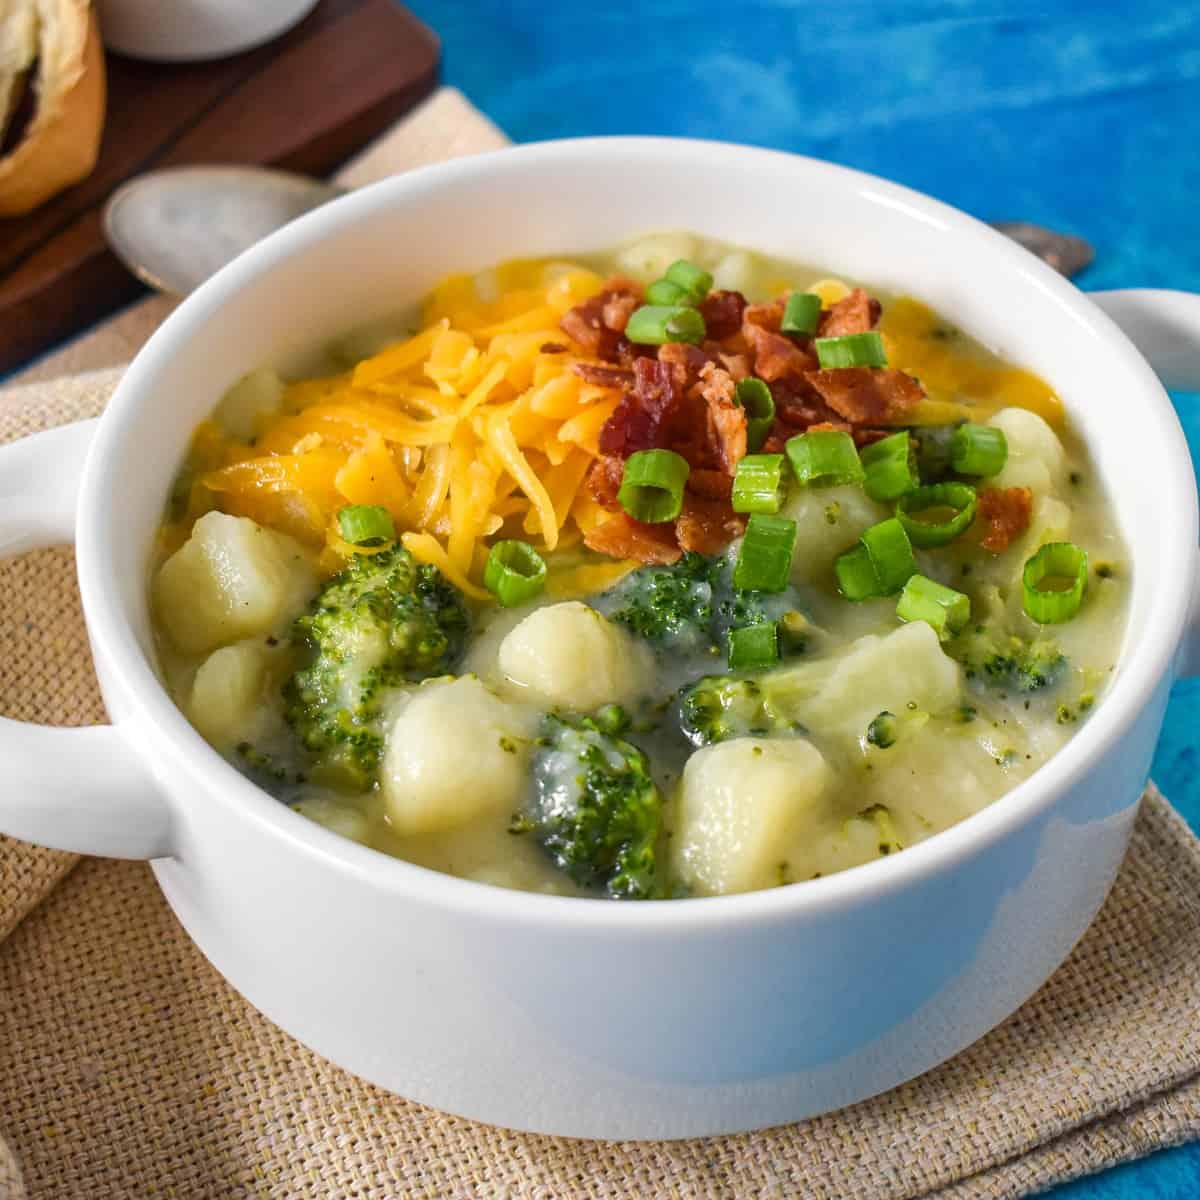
[{"x": 129, "y": 1069}]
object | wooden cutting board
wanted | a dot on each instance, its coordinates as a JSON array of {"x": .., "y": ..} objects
[{"x": 305, "y": 102}]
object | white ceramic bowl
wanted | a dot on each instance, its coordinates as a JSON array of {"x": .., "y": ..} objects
[
  {"x": 194, "y": 30},
  {"x": 587, "y": 1017}
]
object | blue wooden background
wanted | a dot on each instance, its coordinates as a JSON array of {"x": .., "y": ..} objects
[{"x": 1082, "y": 116}]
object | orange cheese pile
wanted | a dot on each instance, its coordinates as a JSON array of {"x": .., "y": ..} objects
[{"x": 475, "y": 427}]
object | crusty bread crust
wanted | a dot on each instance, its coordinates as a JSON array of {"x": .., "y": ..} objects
[{"x": 62, "y": 142}]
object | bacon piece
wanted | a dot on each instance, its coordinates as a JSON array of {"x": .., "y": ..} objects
[
  {"x": 855, "y": 313},
  {"x": 798, "y": 405},
  {"x": 618, "y": 308},
  {"x": 638, "y": 420},
  {"x": 775, "y": 355},
  {"x": 738, "y": 365},
  {"x": 712, "y": 485},
  {"x": 598, "y": 324},
  {"x": 629, "y": 352},
  {"x": 623, "y": 537},
  {"x": 726, "y": 418},
  {"x": 867, "y": 395},
  {"x": 602, "y": 375},
  {"x": 707, "y": 526},
  {"x": 763, "y": 316},
  {"x": 685, "y": 361},
  {"x": 722, "y": 313},
  {"x": 553, "y": 348},
  {"x": 1007, "y": 512},
  {"x": 604, "y": 480}
]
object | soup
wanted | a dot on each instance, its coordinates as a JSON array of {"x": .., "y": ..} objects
[{"x": 676, "y": 571}]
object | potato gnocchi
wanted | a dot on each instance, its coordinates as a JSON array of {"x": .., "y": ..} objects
[{"x": 712, "y": 576}]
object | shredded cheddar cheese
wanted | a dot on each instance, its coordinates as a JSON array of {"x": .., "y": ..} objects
[
  {"x": 477, "y": 426},
  {"x": 464, "y": 431}
]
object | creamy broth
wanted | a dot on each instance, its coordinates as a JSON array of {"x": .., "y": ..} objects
[{"x": 890, "y": 734}]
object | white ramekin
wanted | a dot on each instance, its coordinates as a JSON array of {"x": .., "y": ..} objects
[
  {"x": 194, "y": 30},
  {"x": 586, "y": 1017}
]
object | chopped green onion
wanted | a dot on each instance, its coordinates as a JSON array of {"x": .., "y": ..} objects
[
  {"x": 515, "y": 572},
  {"x": 890, "y": 467},
  {"x": 1054, "y": 581},
  {"x": 824, "y": 458},
  {"x": 851, "y": 350},
  {"x": 882, "y": 733},
  {"x": 856, "y": 577},
  {"x": 753, "y": 645},
  {"x": 925, "y": 599},
  {"x": 758, "y": 484},
  {"x": 366, "y": 525},
  {"x": 801, "y": 313},
  {"x": 755, "y": 397},
  {"x": 918, "y": 511},
  {"x": 657, "y": 324},
  {"x": 663, "y": 291},
  {"x": 652, "y": 486},
  {"x": 891, "y": 554},
  {"x": 765, "y": 558},
  {"x": 978, "y": 450},
  {"x": 933, "y": 451},
  {"x": 692, "y": 279}
]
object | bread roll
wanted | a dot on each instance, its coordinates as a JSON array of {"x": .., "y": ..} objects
[{"x": 52, "y": 72}]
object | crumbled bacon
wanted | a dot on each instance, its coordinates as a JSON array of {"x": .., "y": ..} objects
[
  {"x": 623, "y": 537},
  {"x": 722, "y": 313},
  {"x": 707, "y": 526},
  {"x": 867, "y": 395},
  {"x": 726, "y": 418},
  {"x": 683, "y": 398},
  {"x": 598, "y": 324},
  {"x": 763, "y": 316},
  {"x": 798, "y": 405},
  {"x": 629, "y": 352},
  {"x": 686, "y": 362},
  {"x": 776, "y": 356},
  {"x": 855, "y": 313},
  {"x": 638, "y": 419},
  {"x": 602, "y": 375},
  {"x": 738, "y": 365},
  {"x": 1007, "y": 512},
  {"x": 712, "y": 485},
  {"x": 618, "y": 308},
  {"x": 604, "y": 480}
]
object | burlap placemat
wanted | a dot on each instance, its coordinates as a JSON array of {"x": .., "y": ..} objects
[{"x": 129, "y": 1069}]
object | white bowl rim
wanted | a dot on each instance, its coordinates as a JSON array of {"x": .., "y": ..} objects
[{"x": 148, "y": 702}]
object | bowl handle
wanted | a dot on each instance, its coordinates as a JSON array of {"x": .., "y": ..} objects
[
  {"x": 74, "y": 789},
  {"x": 1165, "y": 327}
]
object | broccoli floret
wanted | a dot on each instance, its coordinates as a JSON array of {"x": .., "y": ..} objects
[
  {"x": 595, "y": 808},
  {"x": 1009, "y": 661},
  {"x": 669, "y": 605},
  {"x": 386, "y": 620},
  {"x": 690, "y": 606},
  {"x": 882, "y": 730},
  {"x": 719, "y": 707}
]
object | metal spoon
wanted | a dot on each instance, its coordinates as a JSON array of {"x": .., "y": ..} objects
[{"x": 175, "y": 227}]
